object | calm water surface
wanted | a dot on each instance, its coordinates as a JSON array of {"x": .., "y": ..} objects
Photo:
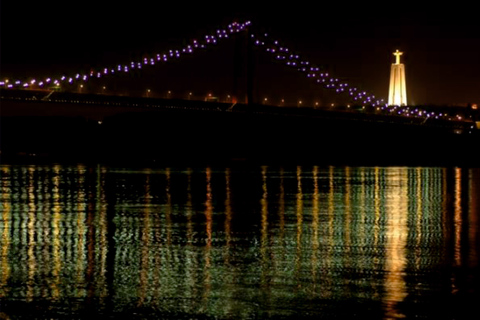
[{"x": 239, "y": 242}]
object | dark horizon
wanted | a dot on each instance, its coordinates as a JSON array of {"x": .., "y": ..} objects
[{"x": 440, "y": 49}]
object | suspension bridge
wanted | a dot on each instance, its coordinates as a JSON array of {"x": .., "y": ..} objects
[{"x": 52, "y": 117}]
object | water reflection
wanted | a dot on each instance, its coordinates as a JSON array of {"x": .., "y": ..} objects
[
  {"x": 237, "y": 242},
  {"x": 395, "y": 242}
]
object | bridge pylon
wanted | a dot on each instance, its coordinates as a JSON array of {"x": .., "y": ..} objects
[{"x": 243, "y": 69}]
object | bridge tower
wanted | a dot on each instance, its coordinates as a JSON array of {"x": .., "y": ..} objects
[
  {"x": 243, "y": 68},
  {"x": 397, "y": 94}
]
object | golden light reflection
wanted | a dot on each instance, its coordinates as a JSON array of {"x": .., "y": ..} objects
[
  {"x": 208, "y": 208},
  {"x": 362, "y": 231},
  {"x": 418, "y": 214},
  {"x": 396, "y": 240},
  {"x": 190, "y": 258},
  {"x": 5, "y": 224},
  {"x": 31, "y": 230},
  {"x": 228, "y": 238},
  {"x": 348, "y": 217},
  {"x": 56, "y": 243},
  {"x": 208, "y": 229},
  {"x": 299, "y": 214},
  {"x": 145, "y": 245},
  {"x": 315, "y": 222},
  {"x": 81, "y": 232},
  {"x": 264, "y": 228},
  {"x": 327, "y": 292},
  {"x": 101, "y": 233},
  {"x": 377, "y": 208},
  {"x": 457, "y": 217},
  {"x": 264, "y": 212},
  {"x": 333, "y": 233}
]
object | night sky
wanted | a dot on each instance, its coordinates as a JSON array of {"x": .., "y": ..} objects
[{"x": 441, "y": 46}]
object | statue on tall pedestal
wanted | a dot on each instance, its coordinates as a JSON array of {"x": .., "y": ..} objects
[{"x": 397, "y": 95}]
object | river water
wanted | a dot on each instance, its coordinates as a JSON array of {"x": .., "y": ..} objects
[{"x": 239, "y": 242}]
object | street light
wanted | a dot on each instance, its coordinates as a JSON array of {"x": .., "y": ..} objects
[
  {"x": 300, "y": 103},
  {"x": 81, "y": 87},
  {"x": 148, "y": 93}
]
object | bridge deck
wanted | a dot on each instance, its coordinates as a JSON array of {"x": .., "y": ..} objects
[{"x": 90, "y": 127}]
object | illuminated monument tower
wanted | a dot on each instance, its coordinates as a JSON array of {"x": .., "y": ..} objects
[{"x": 397, "y": 94}]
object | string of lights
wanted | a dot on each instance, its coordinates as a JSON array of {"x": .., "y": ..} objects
[
  {"x": 160, "y": 57},
  {"x": 274, "y": 47},
  {"x": 290, "y": 59}
]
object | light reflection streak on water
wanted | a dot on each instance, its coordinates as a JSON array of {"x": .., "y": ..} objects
[
  {"x": 458, "y": 217},
  {"x": 81, "y": 228},
  {"x": 418, "y": 214},
  {"x": 6, "y": 217},
  {"x": 363, "y": 221},
  {"x": 208, "y": 230},
  {"x": 330, "y": 233},
  {"x": 56, "y": 243},
  {"x": 396, "y": 235},
  {"x": 348, "y": 212},
  {"x": 329, "y": 257},
  {"x": 228, "y": 238},
  {"x": 376, "y": 224},
  {"x": 145, "y": 245},
  {"x": 31, "y": 261},
  {"x": 101, "y": 234},
  {"x": 264, "y": 227},
  {"x": 299, "y": 215},
  {"x": 315, "y": 222},
  {"x": 191, "y": 288}
]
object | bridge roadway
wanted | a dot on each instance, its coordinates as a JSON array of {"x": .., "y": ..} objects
[{"x": 66, "y": 126}]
